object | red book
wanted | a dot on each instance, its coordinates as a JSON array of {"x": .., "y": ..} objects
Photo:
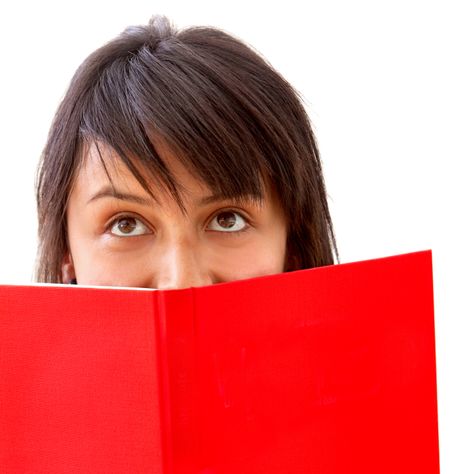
[{"x": 322, "y": 371}]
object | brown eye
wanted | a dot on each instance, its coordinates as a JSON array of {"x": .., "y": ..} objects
[
  {"x": 128, "y": 226},
  {"x": 227, "y": 221}
]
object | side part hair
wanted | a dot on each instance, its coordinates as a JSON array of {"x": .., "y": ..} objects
[{"x": 226, "y": 114}]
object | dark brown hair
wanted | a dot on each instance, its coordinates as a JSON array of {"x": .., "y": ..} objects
[{"x": 228, "y": 115}]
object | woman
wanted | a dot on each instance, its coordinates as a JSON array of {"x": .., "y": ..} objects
[{"x": 177, "y": 159}]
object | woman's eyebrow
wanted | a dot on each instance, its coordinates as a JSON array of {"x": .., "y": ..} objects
[
  {"x": 108, "y": 192},
  {"x": 242, "y": 200},
  {"x": 211, "y": 199}
]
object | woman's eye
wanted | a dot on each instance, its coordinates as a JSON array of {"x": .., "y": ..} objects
[
  {"x": 227, "y": 221},
  {"x": 128, "y": 227}
]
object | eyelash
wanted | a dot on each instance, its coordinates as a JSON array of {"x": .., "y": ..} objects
[
  {"x": 236, "y": 233},
  {"x": 110, "y": 224}
]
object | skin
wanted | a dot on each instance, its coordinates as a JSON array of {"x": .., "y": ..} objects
[{"x": 131, "y": 240}]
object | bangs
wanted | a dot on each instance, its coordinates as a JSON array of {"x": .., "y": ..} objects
[{"x": 150, "y": 98}]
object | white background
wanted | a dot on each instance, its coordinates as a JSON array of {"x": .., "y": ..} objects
[{"x": 375, "y": 79}]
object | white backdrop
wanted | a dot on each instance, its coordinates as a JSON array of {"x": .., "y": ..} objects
[{"x": 375, "y": 78}]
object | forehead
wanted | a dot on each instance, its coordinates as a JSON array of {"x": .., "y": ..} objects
[{"x": 102, "y": 167}]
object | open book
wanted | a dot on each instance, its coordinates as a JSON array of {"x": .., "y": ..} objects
[{"x": 322, "y": 371}]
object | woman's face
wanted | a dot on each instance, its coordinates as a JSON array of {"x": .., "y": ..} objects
[{"x": 128, "y": 239}]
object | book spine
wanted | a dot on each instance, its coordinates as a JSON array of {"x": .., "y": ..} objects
[
  {"x": 163, "y": 377},
  {"x": 185, "y": 383},
  {"x": 175, "y": 325}
]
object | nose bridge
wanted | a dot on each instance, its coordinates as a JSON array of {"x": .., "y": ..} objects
[{"x": 181, "y": 265}]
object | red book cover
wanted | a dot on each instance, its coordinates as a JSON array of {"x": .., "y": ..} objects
[{"x": 322, "y": 371}]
